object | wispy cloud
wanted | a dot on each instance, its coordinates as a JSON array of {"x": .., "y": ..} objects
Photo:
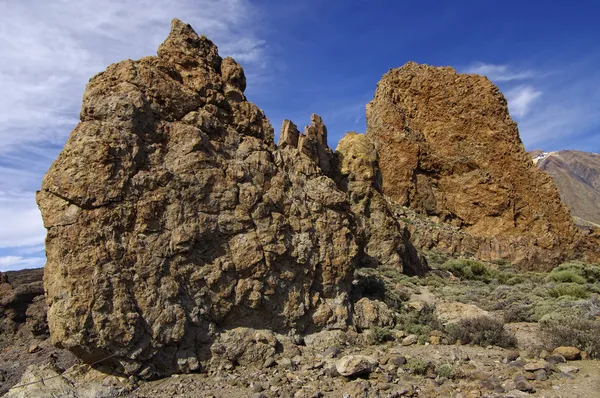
[
  {"x": 51, "y": 48},
  {"x": 499, "y": 73},
  {"x": 11, "y": 263},
  {"x": 49, "y": 51},
  {"x": 21, "y": 223},
  {"x": 555, "y": 110},
  {"x": 521, "y": 98}
]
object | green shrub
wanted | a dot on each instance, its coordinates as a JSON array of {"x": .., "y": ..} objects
[
  {"x": 419, "y": 322},
  {"x": 572, "y": 331},
  {"x": 416, "y": 366},
  {"x": 481, "y": 331},
  {"x": 470, "y": 270},
  {"x": 445, "y": 370},
  {"x": 589, "y": 272},
  {"x": 573, "y": 290},
  {"x": 381, "y": 335},
  {"x": 564, "y": 277}
]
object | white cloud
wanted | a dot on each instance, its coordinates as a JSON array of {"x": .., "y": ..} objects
[
  {"x": 49, "y": 51},
  {"x": 51, "y": 48},
  {"x": 521, "y": 98},
  {"x": 499, "y": 73},
  {"x": 11, "y": 263},
  {"x": 21, "y": 223}
]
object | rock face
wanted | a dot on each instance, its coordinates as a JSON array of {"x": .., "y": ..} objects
[
  {"x": 172, "y": 216},
  {"x": 22, "y": 306},
  {"x": 577, "y": 177},
  {"x": 449, "y": 149}
]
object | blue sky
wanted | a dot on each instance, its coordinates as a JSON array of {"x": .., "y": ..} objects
[{"x": 300, "y": 57}]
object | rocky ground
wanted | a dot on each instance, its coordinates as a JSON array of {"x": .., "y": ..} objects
[
  {"x": 336, "y": 364},
  {"x": 415, "y": 358}
]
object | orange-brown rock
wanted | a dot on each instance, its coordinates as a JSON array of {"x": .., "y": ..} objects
[
  {"x": 172, "y": 217},
  {"x": 448, "y": 148}
]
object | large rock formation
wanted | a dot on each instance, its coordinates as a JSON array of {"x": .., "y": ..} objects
[
  {"x": 172, "y": 215},
  {"x": 449, "y": 149},
  {"x": 577, "y": 177}
]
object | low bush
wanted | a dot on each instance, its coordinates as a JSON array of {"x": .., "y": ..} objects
[
  {"x": 564, "y": 277},
  {"x": 470, "y": 270},
  {"x": 573, "y": 290},
  {"x": 416, "y": 366},
  {"x": 483, "y": 331},
  {"x": 590, "y": 273},
  {"x": 517, "y": 312},
  {"x": 380, "y": 335},
  {"x": 572, "y": 331},
  {"x": 445, "y": 370},
  {"x": 419, "y": 322}
]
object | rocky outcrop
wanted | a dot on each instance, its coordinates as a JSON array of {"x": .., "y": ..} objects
[
  {"x": 449, "y": 149},
  {"x": 172, "y": 217}
]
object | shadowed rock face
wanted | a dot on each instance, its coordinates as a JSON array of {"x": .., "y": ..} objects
[
  {"x": 448, "y": 148},
  {"x": 171, "y": 216}
]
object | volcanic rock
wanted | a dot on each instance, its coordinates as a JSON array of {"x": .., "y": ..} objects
[
  {"x": 449, "y": 149},
  {"x": 173, "y": 217},
  {"x": 22, "y": 306},
  {"x": 355, "y": 365}
]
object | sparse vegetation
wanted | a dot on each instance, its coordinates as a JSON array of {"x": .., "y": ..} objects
[
  {"x": 445, "y": 370},
  {"x": 381, "y": 335},
  {"x": 483, "y": 331},
  {"x": 573, "y": 290},
  {"x": 564, "y": 277},
  {"x": 416, "y": 366},
  {"x": 469, "y": 270},
  {"x": 420, "y": 322},
  {"x": 572, "y": 331}
]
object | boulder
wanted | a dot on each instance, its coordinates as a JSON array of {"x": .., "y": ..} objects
[
  {"x": 448, "y": 148},
  {"x": 568, "y": 353},
  {"x": 369, "y": 313},
  {"x": 172, "y": 217},
  {"x": 355, "y": 365}
]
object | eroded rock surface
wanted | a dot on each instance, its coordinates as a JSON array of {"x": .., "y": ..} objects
[
  {"x": 172, "y": 216},
  {"x": 449, "y": 149}
]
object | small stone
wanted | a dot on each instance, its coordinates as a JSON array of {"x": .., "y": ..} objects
[
  {"x": 522, "y": 384},
  {"x": 269, "y": 362},
  {"x": 533, "y": 366},
  {"x": 509, "y": 385},
  {"x": 410, "y": 340},
  {"x": 256, "y": 387},
  {"x": 540, "y": 375},
  {"x": 570, "y": 353},
  {"x": 556, "y": 358},
  {"x": 516, "y": 394},
  {"x": 570, "y": 370},
  {"x": 286, "y": 363},
  {"x": 332, "y": 352},
  {"x": 517, "y": 364},
  {"x": 355, "y": 365},
  {"x": 34, "y": 348},
  {"x": 398, "y": 360}
]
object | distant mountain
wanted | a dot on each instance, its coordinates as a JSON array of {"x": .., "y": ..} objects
[{"x": 577, "y": 176}]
